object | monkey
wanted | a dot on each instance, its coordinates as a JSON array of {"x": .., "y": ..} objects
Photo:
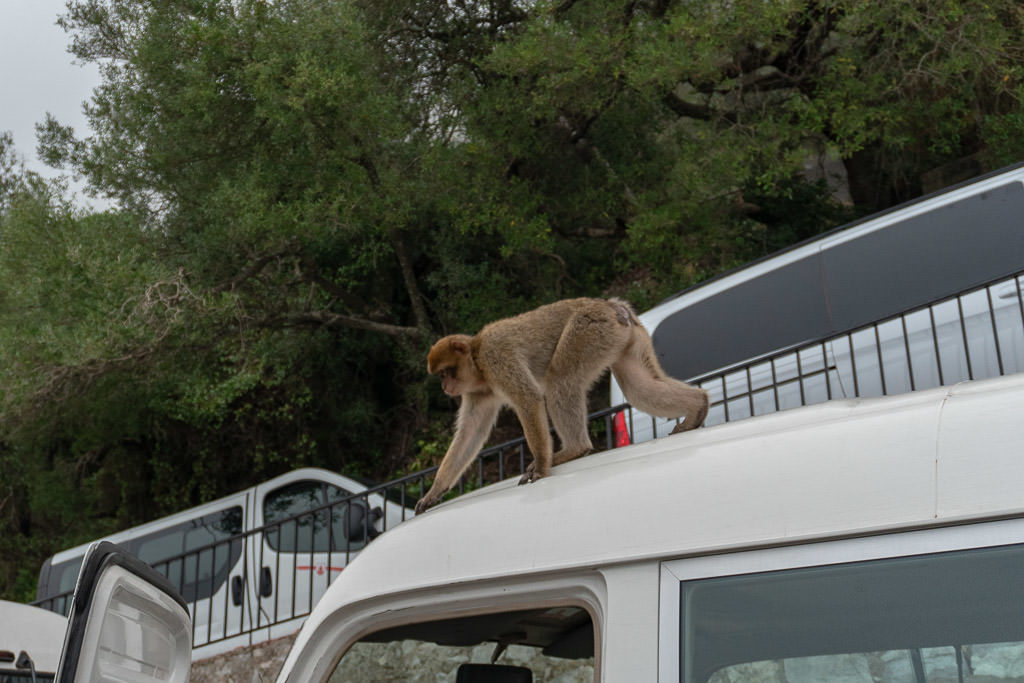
[{"x": 542, "y": 363}]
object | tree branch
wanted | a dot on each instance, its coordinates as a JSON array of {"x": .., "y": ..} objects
[
  {"x": 328, "y": 319},
  {"x": 254, "y": 268},
  {"x": 312, "y": 274},
  {"x": 419, "y": 311}
]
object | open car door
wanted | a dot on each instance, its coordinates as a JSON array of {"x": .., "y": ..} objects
[{"x": 127, "y": 623}]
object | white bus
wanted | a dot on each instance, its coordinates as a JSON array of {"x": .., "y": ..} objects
[
  {"x": 875, "y": 533},
  {"x": 251, "y": 564},
  {"x": 926, "y": 294}
]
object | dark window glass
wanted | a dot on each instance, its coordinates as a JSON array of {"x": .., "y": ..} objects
[
  {"x": 307, "y": 516},
  {"x": 547, "y": 644},
  {"x": 196, "y": 575},
  {"x": 918, "y": 260},
  {"x": 197, "y": 555},
  {"x": 941, "y": 617},
  {"x": 64, "y": 575}
]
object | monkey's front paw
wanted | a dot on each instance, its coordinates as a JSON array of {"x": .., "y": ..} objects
[
  {"x": 425, "y": 502},
  {"x": 531, "y": 474}
]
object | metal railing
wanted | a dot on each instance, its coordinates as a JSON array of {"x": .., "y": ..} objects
[
  {"x": 977, "y": 333},
  {"x": 259, "y": 584}
]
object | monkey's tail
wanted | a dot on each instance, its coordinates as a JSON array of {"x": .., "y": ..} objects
[{"x": 649, "y": 388}]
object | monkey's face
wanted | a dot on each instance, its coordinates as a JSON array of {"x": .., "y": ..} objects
[
  {"x": 450, "y": 381},
  {"x": 461, "y": 377},
  {"x": 451, "y": 359}
]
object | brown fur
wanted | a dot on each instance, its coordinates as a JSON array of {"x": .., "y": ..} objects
[{"x": 543, "y": 363}]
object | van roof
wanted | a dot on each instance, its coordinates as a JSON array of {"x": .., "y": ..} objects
[
  {"x": 838, "y": 469},
  {"x": 38, "y": 632}
]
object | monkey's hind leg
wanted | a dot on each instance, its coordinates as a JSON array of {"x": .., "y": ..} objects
[
  {"x": 649, "y": 389},
  {"x": 590, "y": 341},
  {"x": 567, "y": 407},
  {"x": 695, "y": 420}
]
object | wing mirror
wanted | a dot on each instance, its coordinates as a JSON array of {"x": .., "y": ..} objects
[
  {"x": 360, "y": 521},
  {"x": 127, "y": 623}
]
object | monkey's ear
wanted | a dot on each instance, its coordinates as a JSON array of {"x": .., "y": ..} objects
[{"x": 458, "y": 346}]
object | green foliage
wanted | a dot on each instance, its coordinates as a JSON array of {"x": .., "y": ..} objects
[{"x": 309, "y": 191}]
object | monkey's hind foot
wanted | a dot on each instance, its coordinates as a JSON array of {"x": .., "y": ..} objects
[{"x": 695, "y": 420}]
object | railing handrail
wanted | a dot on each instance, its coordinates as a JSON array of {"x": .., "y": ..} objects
[{"x": 775, "y": 353}]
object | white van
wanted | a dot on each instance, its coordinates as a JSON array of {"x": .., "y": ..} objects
[
  {"x": 252, "y": 564},
  {"x": 30, "y": 642},
  {"x": 923, "y": 295},
  {"x": 856, "y": 540}
]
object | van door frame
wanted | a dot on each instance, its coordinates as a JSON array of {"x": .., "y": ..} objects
[
  {"x": 318, "y": 650},
  {"x": 260, "y": 554}
]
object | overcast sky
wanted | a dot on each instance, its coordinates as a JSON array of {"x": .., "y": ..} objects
[{"x": 38, "y": 75}]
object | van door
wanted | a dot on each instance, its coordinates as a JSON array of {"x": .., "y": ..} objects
[
  {"x": 127, "y": 623},
  {"x": 311, "y": 529},
  {"x": 202, "y": 556}
]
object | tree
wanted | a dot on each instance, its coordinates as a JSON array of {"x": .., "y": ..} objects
[{"x": 310, "y": 190}]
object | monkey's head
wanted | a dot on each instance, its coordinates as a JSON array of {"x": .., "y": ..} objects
[{"x": 451, "y": 359}]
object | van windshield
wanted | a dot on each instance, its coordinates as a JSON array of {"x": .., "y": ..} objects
[
  {"x": 324, "y": 529},
  {"x": 544, "y": 644}
]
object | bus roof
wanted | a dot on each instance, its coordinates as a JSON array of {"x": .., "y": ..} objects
[
  {"x": 846, "y": 230},
  {"x": 884, "y": 265},
  {"x": 838, "y": 469}
]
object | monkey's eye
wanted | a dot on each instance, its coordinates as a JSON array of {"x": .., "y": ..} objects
[{"x": 448, "y": 373}]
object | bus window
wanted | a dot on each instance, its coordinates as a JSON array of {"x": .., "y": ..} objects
[{"x": 61, "y": 582}]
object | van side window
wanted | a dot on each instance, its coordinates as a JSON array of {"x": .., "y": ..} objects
[
  {"x": 546, "y": 644},
  {"x": 298, "y": 520},
  {"x": 210, "y": 554},
  {"x": 940, "y": 617}
]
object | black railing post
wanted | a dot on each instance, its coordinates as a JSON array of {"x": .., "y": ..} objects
[
  {"x": 995, "y": 332},
  {"x": 906, "y": 346},
  {"x": 963, "y": 331}
]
